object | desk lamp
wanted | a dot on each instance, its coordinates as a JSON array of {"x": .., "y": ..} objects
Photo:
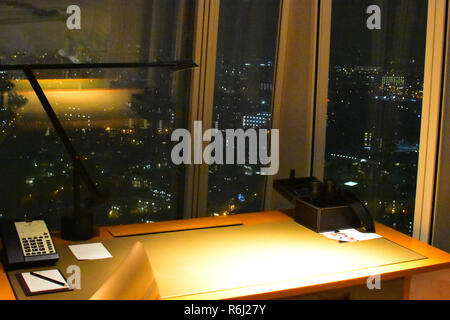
[{"x": 79, "y": 225}]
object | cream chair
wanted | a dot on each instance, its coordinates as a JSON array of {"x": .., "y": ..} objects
[{"x": 133, "y": 279}]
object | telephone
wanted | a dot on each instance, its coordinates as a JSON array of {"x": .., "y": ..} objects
[{"x": 27, "y": 244}]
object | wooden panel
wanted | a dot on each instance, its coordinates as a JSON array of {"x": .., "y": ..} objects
[
  {"x": 390, "y": 290},
  {"x": 169, "y": 226},
  {"x": 438, "y": 260},
  {"x": 6, "y": 292},
  {"x": 103, "y": 233},
  {"x": 200, "y": 223},
  {"x": 283, "y": 290},
  {"x": 256, "y": 255},
  {"x": 430, "y": 286},
  {"x": 294, "y": 92},
  {"x": 411, "y": 243},
  {"x": 245, "y": 256}
]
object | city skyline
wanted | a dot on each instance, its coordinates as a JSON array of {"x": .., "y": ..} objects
[
  {"x": 134, "y": 118},
  {"x": 375, "y": 106},
  {"x": 121, "y": 121}
]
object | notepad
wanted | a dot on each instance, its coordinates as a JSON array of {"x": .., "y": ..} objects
[
  {"x": 90, "y": 251},
  {"x": 350, "y": 235},
  {"x": 35, "y": 285}
]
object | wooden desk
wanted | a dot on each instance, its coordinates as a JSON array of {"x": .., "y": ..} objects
[{"x": 435, "y": 260}]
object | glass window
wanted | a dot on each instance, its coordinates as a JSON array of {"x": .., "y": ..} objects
[
  {"x": 245, "y": 67},
  {"x": 35, "y": 169},
  {"x": 41, "y": 31},
  {"x": 120, "y": 121},
  {"x": 376, "y": 77}
]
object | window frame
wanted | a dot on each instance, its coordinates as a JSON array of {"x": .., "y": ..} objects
[
  {"x": 442, "y": 202},
  {"x": 433, "y": 82},
  {"x": 202, "y": 96}
]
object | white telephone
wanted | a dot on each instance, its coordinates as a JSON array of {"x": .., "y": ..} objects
[{"x": 27, "y": 244}]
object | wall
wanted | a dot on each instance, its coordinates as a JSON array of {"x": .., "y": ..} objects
[
  {"x": 441, "y": 223},
  {"x": 295, "y": 118}
]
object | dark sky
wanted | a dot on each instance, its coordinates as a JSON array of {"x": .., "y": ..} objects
[
  {"x": 402, "y": 35},
  {"x": 248, "y": 29}
]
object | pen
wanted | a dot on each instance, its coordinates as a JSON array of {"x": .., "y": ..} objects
[{"x": 48, "y": 279}]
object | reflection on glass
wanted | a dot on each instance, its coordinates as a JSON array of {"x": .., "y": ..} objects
[
  {"x": 36, "y": 32},
  {"x": 120, "y": 125},
  {"x": 119, "y": 120},
  {"x": 247, "y": 43},
  {"x": 34, "y": 181},
  {"x": 375, "y": 105}
]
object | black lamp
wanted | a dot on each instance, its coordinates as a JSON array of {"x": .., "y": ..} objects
[{"x": 79, "y": 225}]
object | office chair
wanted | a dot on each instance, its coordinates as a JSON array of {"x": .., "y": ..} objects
[{"x": 133, "y": 279}]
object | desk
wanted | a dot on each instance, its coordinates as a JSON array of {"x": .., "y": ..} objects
[{"x": 183, "y": 272}]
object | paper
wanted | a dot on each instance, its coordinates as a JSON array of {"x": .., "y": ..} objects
[
  {"x": 350, "y": 235},
  {"x": 91, "y": 251},
  {"x": 36, "y": 284}
]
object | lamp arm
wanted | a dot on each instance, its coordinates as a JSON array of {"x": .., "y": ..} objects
[
  {"x": 81, "y": 170},
  {"x": 178, "y": 65}
]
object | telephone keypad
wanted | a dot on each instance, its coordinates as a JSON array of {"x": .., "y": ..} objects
[{"x": 32, "y": 235}]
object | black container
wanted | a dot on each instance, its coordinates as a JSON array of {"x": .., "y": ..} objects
[
  {"x": 294, "y": 188},
  {"x": 78, "y": 228},
  {"x": 319, "y": 206},
  {"x": 323, "y": 219}
]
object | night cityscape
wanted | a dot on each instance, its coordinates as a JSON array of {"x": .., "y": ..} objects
[
  {"x": 109, "y": 119},
  {"x": 245, "y": 71},
  {"x": 121, "y": 122},
  {"x": 243, "y": 99},
  {"x": 375, "y": 108},
  {"x": 376, "y": 157}
]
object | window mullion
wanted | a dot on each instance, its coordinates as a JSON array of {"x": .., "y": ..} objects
[
  {"x": 432, "y": 94},
  {"x": 202, "y": 96},
  {"x": 279, "y": 74}
]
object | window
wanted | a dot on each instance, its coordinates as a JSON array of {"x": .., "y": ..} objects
[
  {"x": 119, "y": 120},
  {"x": 374, "y": 109},
  {"x": 244, "y": 83},
  {"x": 110, "y": 31}
]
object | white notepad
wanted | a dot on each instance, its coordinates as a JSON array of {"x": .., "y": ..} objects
[
  {"x": 34, "y": 285},
  {"x": 90, "y": 251}
]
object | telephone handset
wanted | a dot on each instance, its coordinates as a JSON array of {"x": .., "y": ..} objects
[
  {"x": 27, "y": 244},
  {"x": 328, "y": 195},
  {"x": 361, "y": 211}
]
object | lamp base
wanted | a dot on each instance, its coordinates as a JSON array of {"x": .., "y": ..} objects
[{"x": 80, "y": 228}]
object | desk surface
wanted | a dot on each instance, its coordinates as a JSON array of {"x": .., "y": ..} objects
[{"x": 256, "y": 260}]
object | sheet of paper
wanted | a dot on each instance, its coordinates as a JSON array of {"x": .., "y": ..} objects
[
  {"x": 36, "y": 284},
  {"x": 91, "y": 251},
  {"x": 350, "y": 235}
]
